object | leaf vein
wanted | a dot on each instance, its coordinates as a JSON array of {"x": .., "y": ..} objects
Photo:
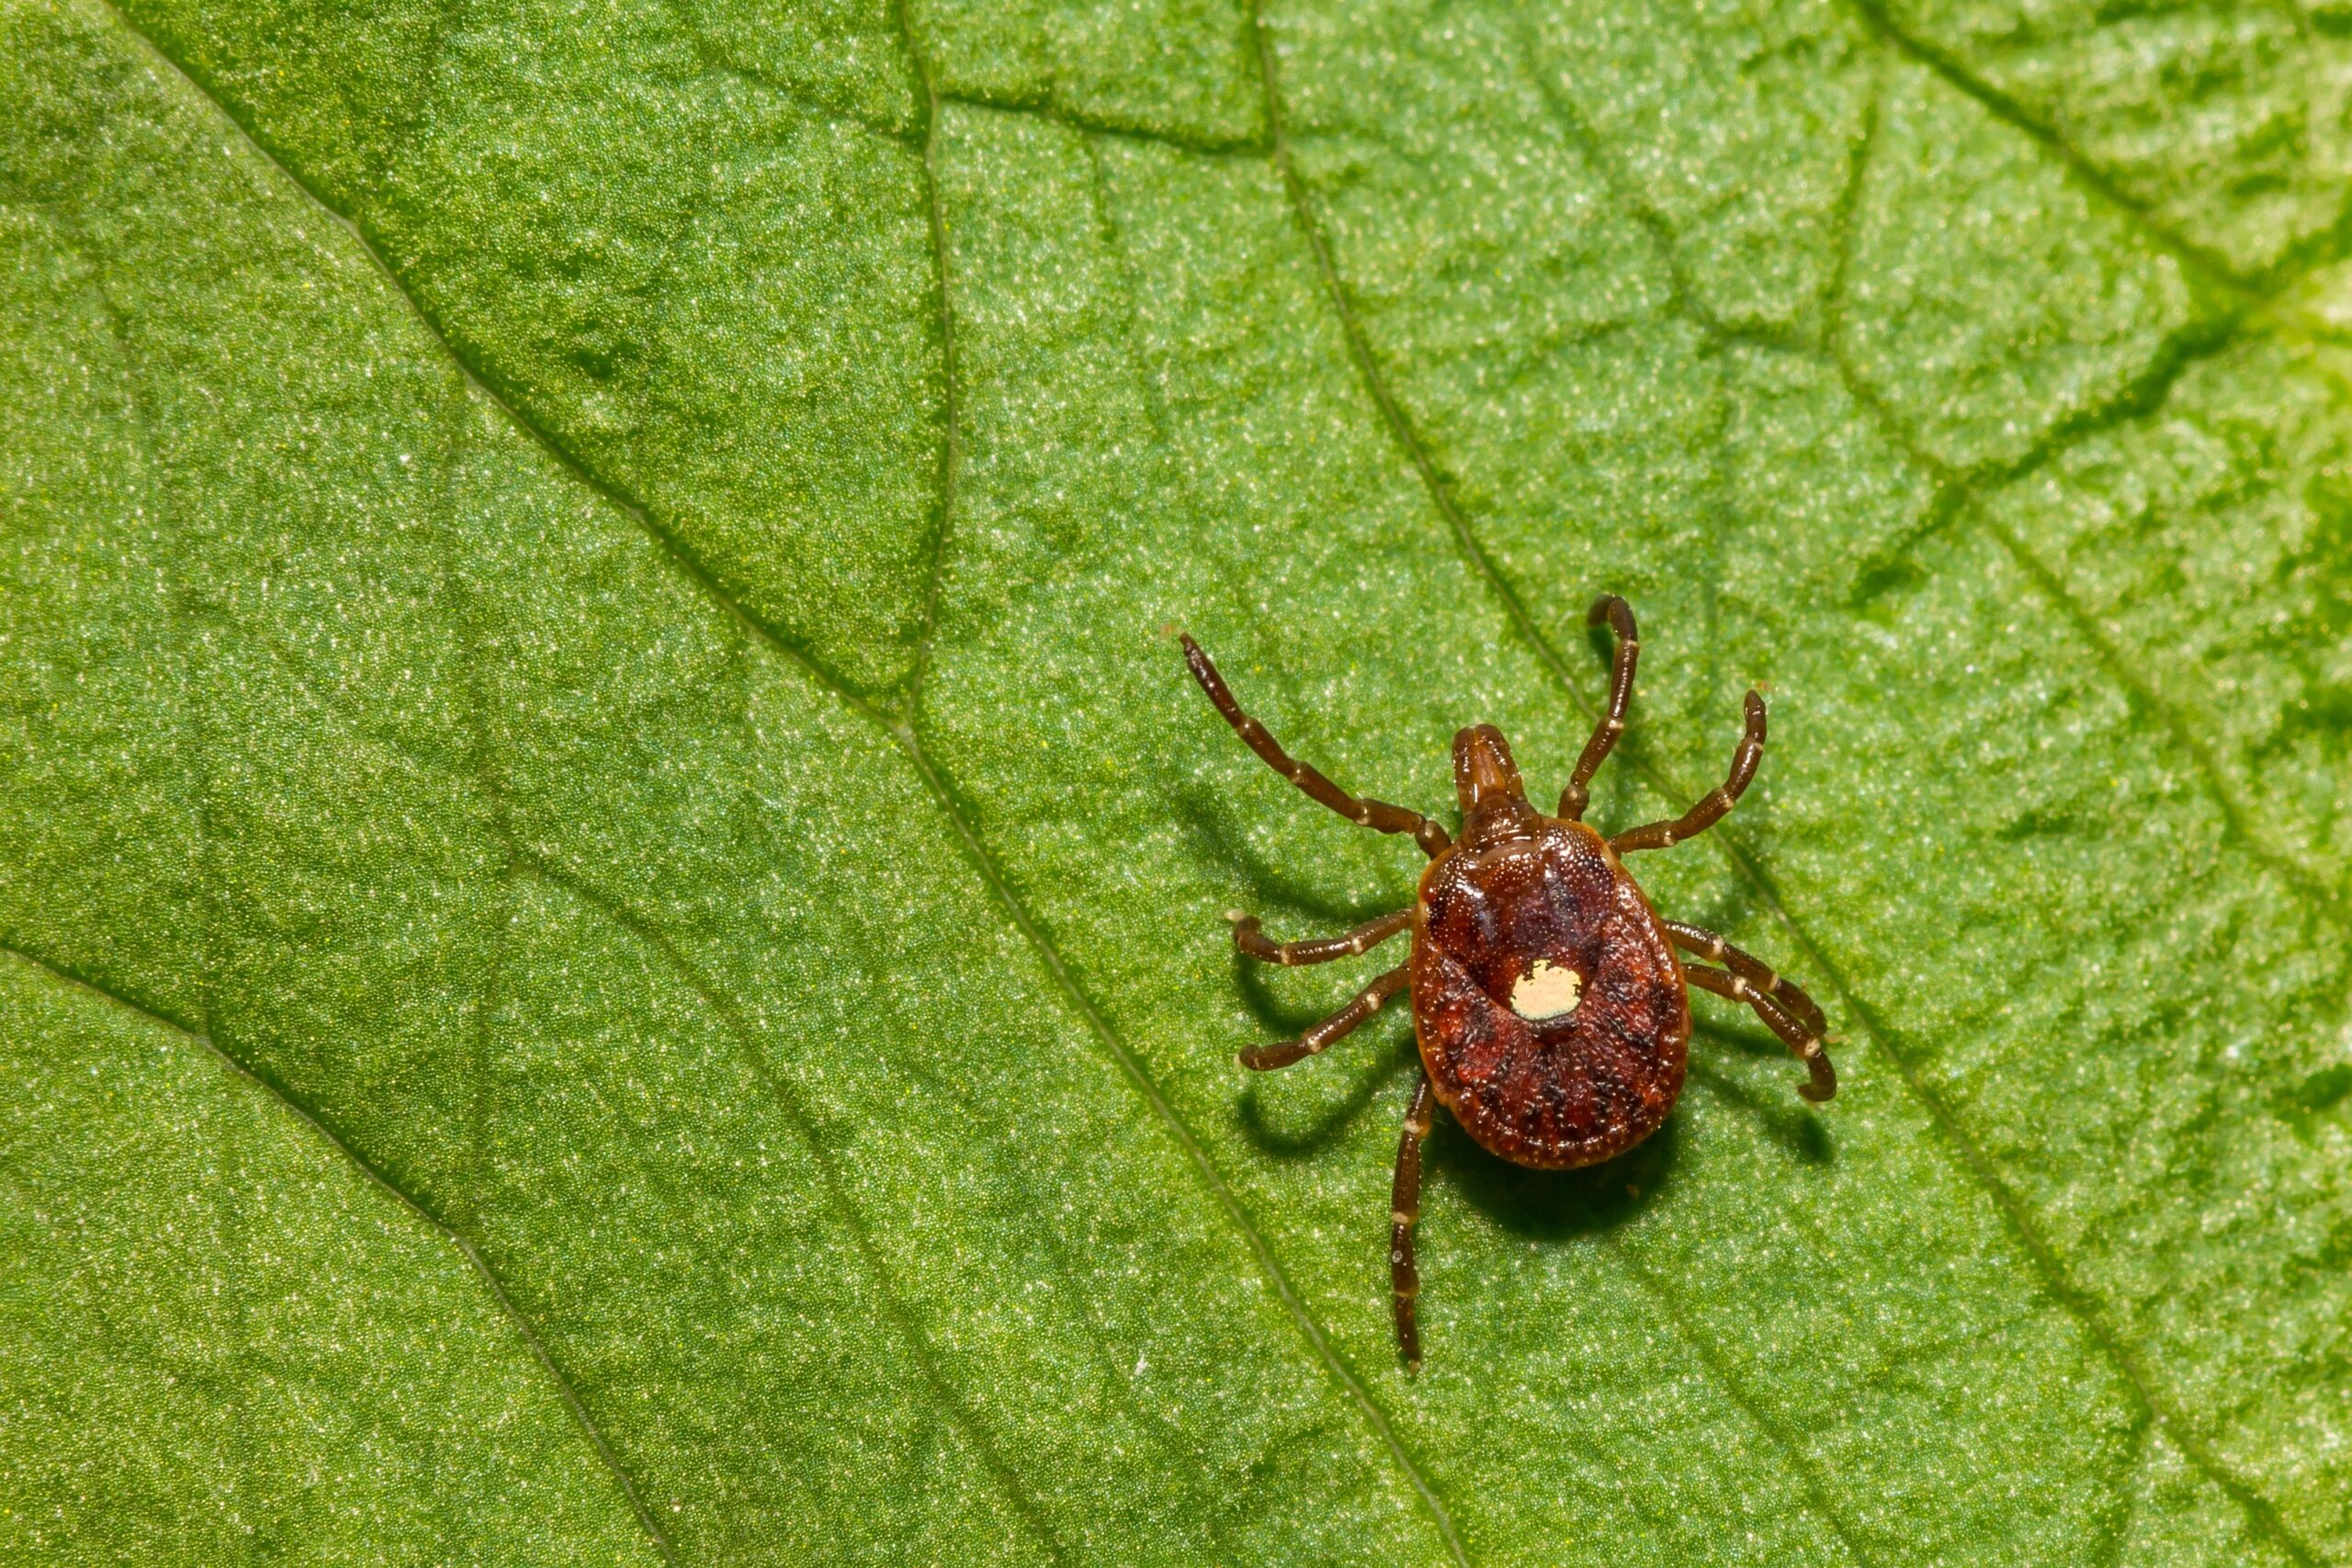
[
  {"x": 1944, "y": 65},
  {"x": 1677, "y": 1313},
  {"x": 2237, "y": 818},
  {"x": 1401, "y": 430},
  {"x": 1186, "y": 1139},
  {"x": 476, "y": 378},
  {"x": 718, "y": 64},
  {"x": 951, "y": 444},
  {"x": 523, "y": 1326},
  {"x": 941, "y": 1391},
  {"x": 695, "y": 569},
  {"x": 1101, "y": 125},
  {"x": 2011, "y": 1206},
  {"x": 421, "y": 97},
  {"x": 2261, "y": 1513}
]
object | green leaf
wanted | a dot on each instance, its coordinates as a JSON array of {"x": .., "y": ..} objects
[{"x": 611, "y": 884}]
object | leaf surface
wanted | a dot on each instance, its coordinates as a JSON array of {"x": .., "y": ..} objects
[{"x": 612, "y": 887}]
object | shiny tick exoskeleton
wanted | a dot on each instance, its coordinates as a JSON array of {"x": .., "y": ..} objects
[{"x": 1551, "y": 1009}]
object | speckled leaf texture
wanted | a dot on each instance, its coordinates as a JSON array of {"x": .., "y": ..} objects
[{"x": 610, "y": 885}]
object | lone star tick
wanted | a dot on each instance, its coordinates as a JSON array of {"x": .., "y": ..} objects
[{"x": 1553, "y": 1014}]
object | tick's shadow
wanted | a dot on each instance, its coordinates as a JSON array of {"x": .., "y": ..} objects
[
  {"x": 1543, "y": 1205},
  {"x": 1377, "y": 1057},
  {"x": 1286, "y": 1020},
  {"x": 1271, "y": 892},
  {"x": 1383, "y": 1078},
  {"x": 1555, "y": 1205},
  {"x": 1785, "y": 1117}
]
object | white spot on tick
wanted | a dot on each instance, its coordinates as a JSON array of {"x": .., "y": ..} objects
[{"x": 1547, "y": 990}]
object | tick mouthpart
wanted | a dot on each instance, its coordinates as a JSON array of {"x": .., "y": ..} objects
[
  {"x": 1483, "y": 768},
  {"x": 1494, "y": 801}
]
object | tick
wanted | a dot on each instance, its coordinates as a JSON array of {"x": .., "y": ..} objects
[{"x": 1552, "y": 1011}]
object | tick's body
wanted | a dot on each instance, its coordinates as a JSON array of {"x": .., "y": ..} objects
[
  {"x": 1546, "y": 998},
  {"x": 1552, "y": 1012}
]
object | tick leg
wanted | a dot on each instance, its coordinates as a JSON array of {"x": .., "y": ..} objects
[
  {"x": 1619, "y": 616},
  {"x": 1404, "y": 1212},
  {"x": 1377, "y": 814},
  {"x": 1754, "y": 970},
  {"x": 1249, "y": 940},
  {"x": 1804, "y": 1042},
  {"x": 1266, "y": 1059},
  {"x": 1716, "y": 804}
]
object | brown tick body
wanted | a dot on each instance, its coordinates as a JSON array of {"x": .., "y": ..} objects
[{"x": 1552, "y": 1011}]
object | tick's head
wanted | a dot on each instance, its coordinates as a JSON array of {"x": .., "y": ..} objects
[{"x": 1494, "y": 803}]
